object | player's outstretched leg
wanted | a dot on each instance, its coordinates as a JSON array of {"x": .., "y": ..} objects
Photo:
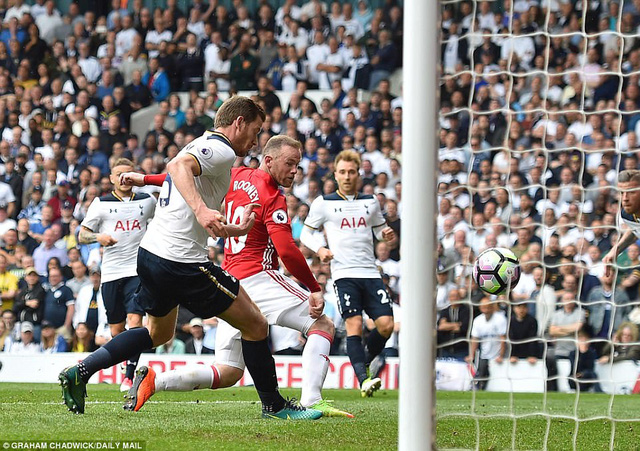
[
  {"x": 193, "y": 377},
  {"x": 129, "y": 343},
  {"x": 315, "y": 364},
  {"x": 244, "y": 315}
]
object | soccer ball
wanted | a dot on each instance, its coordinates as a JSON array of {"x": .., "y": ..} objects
[{"x": 496, "y": 269}]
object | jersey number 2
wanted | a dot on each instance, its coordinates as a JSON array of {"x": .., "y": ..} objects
[{"x": 235, "y": 244}]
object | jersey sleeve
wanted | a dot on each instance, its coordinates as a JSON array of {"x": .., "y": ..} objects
[
  {"x": 315, "y": 218},
  {"x": 278, "y": 223},
  {"x": 377, "y": 220},
  {"x": 93, "y": 220},
  {"x": 212, "y": 159},
  {"x": 274, "y": 215}
]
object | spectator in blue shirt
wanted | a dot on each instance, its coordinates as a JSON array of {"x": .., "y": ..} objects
[{"x": 59, "y": 303}]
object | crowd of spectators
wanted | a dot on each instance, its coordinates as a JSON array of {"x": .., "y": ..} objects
[
  {"x": 539, "y": 112},
  {"x": 70, "y": 83}
]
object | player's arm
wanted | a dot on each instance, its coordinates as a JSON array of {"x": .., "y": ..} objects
[
  {"x": 380, "y": 228},
  {"x": 88, "y": 236},
  {"x": 292, "y": 258},
  {"x": 11, "y": 209},
  {"x": 182, "y": 170},
  {"x": 503, "y": 348},
  {"x": 308, "y": 237},
  {"x": 314, "y": 241},
  {"x": 626, "y": 240},
  {"x": 247, "y": 222},
  {"x": 473, "y": 348},
  {"x": 137, "y": 179}
]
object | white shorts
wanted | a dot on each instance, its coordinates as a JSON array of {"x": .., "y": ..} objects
[{"x": 282, "y": 301}]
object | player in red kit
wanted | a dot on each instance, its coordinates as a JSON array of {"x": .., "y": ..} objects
[{"x": 253, "y": 259}]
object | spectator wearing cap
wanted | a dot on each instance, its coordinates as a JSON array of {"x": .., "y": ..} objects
[
  {"x": 50, "y": 341},
  {"x": 195, "y": 344},
  {"x": 59, "y": 198},
  {"x": 29, "y": 305},
  {"x": 59, "y": 303},
  {"x": 27, "y": 344}
]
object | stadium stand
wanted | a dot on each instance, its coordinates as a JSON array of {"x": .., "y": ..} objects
[{"x": 80, "y": 88}]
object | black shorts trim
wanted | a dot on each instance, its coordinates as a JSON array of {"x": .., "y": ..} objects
[{"x": 203, "y": 288}]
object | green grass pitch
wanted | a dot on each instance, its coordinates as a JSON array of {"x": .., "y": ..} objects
[{"x": 230, "y": 419}]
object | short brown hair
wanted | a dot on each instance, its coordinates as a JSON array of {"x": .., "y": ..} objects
[
  {"x": 235, "y": 107},
  {"x": 630, "y": 175},
  {"x": 123, "y": 162},
  {"x": 349, "y": 155},
  {"x": 276, "y": 143}
]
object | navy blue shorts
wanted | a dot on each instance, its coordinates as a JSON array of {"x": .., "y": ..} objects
[
  {"x": 119, "y": 298},
  {"x": 356, "y": 295},
  {"x": 204, "y": 288}
]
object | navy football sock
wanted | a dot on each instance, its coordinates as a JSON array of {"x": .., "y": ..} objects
[
  {"x": 355, "y": 350},
  {"x": 132, "y": 363},
  {"x": 124, "y": 345},
  {"x": 375, "y": 344},
  {"x": 262, "y": 368}
]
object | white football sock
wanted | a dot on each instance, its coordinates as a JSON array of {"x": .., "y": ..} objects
[
  {"x": 188, "y": 378},
  {"x": 315, "y": 363}
]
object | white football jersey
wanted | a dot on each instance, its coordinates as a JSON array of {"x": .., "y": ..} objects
[
  {"x": 174, "y": 233},
  {"x": 126, "y": 221},
  {"x": 348, "y": 225},
  {"x": 632, "y": 221}
]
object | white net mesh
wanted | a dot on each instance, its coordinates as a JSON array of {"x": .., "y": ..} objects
[{"x": 540, "y": 103}]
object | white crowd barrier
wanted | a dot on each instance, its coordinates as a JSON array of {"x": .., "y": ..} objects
[
  {"x": 45, "y": 368},
  {"x": 451, "y": 375}
]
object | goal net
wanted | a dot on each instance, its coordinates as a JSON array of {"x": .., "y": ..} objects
[{"x": 539, "y": 115}]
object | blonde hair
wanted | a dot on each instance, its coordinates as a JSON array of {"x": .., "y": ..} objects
[
  {"x": 632, "y": 327},
  {"x": 349, "y": 155},
  {"x": 276, "y": 143},
  {"x": 123, "y": 162}
]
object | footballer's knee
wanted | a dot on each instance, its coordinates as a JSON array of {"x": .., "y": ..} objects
[
  {"x": 323, "y": 324},
  {"x": 160, "y": 336},
  {"x": 134, "y": 320},
  {"x": 258, "y": 328},
  {"x": 229, "y": 375},
  {"x": 116, "y": 329},
  {"x": 384, "y": 324}
]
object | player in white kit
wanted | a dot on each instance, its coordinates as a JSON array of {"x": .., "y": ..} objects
[
  {"x": 253, "y": 259},
  {"x": 118, "y": 221},
  {"x": 629, "y": 185},
  {"x": 174, "y": 268},
  {"x": 349, "y": 218}
]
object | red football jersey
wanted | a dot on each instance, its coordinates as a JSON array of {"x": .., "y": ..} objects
[{"x": 247, "y": 255}]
